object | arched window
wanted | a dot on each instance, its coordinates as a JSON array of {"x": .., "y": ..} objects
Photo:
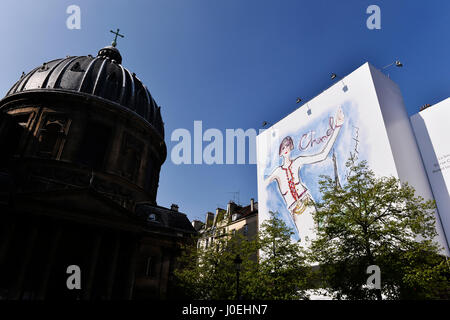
[
  {"x": 22, "y": 119},
  {"x": 52, "y": 136}
]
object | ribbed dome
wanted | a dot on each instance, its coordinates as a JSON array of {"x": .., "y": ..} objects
[{"x": 102, "y": 76}]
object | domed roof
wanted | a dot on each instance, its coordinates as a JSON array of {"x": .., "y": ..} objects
[{"x": 102, "y": 76}]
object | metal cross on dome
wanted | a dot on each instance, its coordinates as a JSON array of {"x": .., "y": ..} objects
[{"x": 114, "y": 43}]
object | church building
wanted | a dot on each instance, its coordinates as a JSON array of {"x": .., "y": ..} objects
[{"x": 82, "y": 145}]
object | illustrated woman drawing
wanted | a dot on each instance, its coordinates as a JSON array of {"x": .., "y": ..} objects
[{"x": 295, "y": 194}]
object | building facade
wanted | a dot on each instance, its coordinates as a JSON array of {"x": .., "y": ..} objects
[
  {"x": 235, "y": 219},
  {"x": 431, "y": 130},
  {"x": 361, "y": 116},
  {"x": 82, "y": 143}
]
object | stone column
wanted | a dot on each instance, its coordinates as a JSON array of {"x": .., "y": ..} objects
[
  {"x": 24, "y": 264},
  {"x": 132, "y": 269},
  {"x": 92, "y": 266},
  {"x": 28, "y": 147},
  {"x": 116, "y": 146},
  {"x": 7, "y": 237},
  {"x": 53, "y": 250},
  {"x": 113, "y": 267},
  {"x": 164, "y": 275},
  {"x": 145, "y": 165}
]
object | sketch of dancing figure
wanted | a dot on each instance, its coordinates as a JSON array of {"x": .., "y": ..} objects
[{"x": 295, "y": 194}]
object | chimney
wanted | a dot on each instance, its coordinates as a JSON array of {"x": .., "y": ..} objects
[
  {"x": 252, "y": 205},
  {"x": 174, "y": 207},
  {"x": 209, "y": 219},
  {"x": 197, "y": 224},
  {"x": 230, "y": 207}
]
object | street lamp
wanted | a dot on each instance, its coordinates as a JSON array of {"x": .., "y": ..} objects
[
  {"x": 344, "y": 86},
  {"x": 397, "y": 64},
  {"x": 237, "y": 263}
]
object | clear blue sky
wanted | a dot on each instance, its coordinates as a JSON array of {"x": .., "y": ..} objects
[{"x": 234, "y": 63}]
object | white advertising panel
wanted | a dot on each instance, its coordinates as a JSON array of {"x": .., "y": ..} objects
[
  {"x": 362, "y": 114},
  {"x": 432, "y": 135},
  {"x": 317, "y": 139}
]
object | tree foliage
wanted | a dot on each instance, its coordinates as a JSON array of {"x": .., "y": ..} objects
[
  {"x": 279, "y": 273},
  {"x": 376, "y": 221},
  {"x": 210, "y": 273},
  {"x": 282, "y": 273}
]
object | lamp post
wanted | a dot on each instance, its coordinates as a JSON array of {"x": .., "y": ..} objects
[
  {"x": 237, "y": 262},
  {"x": 396, "y": 62}
]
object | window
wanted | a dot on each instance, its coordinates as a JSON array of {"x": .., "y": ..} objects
[
  {"x": 22, "y": 119},
  {"x": 246, "y": 230},
  {"x": 150, "y": 266},
  {"x": 94, "y": 145},
  {"x": 151, "y": 217},
  {"x": 10, "y": 137},
  {"x": 131, "y": 161},
  {"x": 52, "y": 136},
  {"x": 131, "y": 156},
  {"x": 76, "y": 67}
]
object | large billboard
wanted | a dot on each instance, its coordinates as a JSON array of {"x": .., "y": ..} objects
[
  {"x": 360, "y": 115},
  {"x": 431, "y": 130}
]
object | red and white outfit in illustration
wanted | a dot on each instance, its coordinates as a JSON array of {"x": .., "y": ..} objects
[{"x": 295, "y": 194}]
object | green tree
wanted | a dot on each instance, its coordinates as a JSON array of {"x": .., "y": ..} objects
[
  {"x": 210, "y": 273},
  {"x": 279, "y": 273},
  {"x": 282, "y": 273},
  {"x": 376, "y": 221}
]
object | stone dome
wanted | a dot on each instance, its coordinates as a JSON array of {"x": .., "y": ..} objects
[{"x": 101, "y": 76}]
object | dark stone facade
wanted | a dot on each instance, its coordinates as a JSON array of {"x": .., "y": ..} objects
[{"x": 82, "y": 145}]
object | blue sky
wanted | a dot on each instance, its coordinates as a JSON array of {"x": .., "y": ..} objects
[{"x": 234, "y": 63}]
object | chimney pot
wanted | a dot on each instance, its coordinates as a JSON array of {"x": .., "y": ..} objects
[{"x": 209, "y": 219}]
